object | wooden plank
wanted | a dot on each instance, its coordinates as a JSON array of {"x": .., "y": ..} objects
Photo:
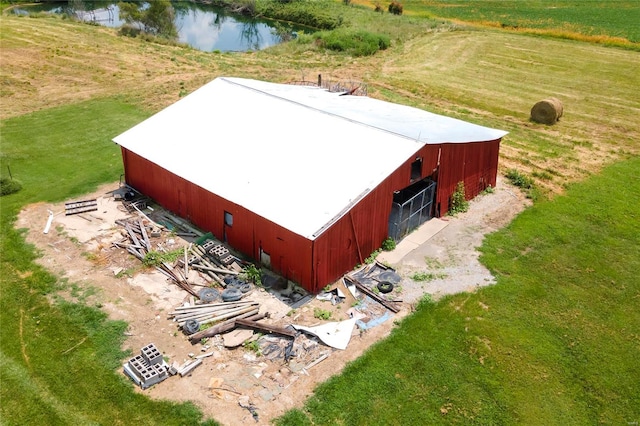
[
  {"x": 372, "y": 295},
  {"x": 266, "y": 327},
  {"x": 227, "y": 325},
  {"x": 143, "y": 231}
]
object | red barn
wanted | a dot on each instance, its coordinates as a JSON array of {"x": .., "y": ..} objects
[{"x": 306, "y": 182}]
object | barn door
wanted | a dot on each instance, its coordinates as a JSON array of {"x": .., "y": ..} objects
[{"x": 411, "y": 207}]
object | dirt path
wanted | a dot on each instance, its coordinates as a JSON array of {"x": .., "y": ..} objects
[{"x": 79, "y": 249}]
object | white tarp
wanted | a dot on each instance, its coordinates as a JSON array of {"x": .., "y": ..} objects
[{"x": 334, "y": 334}]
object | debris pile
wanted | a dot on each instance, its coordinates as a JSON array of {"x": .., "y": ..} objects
[
  {"x": 191, "y": 318},
  {"x": 138, "y": 243}
]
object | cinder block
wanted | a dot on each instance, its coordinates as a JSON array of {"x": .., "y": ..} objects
[
  {"x": 151, "y": 354},
  {"x": 208, "y": 245},
  {"x": 137, "y": 364}
]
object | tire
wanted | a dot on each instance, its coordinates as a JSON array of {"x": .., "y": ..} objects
[
  {"x": 191, "y": 326},
  {"x": 385, "y": 286},
  {"x": 208, "y": 295},
  {"x": 231, "y": 294}
]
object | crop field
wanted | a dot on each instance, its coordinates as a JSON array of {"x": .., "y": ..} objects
[{"x": 597, "y": 20}]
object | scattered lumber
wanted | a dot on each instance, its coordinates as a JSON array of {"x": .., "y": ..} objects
[
  {"x": 224, "y": 326},
  {"x": 75, "y": 207},
  {"x": 266, "y": 327},
  {"x": 387, "y": 304}
]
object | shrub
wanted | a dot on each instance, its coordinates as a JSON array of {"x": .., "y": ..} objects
[
  {"x": 395, "y": 8},
  {"x": 459, "y": 203},
  {"x": 9, "y": 186},
  {"x": 388, "y": 244},
  {"x": 251, "y": 274},
  {"x": 353, "y": 42},
  {"x": 307, "y": 14}
]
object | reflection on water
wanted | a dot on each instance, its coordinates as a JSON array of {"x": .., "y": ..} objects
[{"x": 203, "y": 27}]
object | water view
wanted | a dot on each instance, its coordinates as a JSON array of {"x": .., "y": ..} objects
[{"x": 202, "y": 27}]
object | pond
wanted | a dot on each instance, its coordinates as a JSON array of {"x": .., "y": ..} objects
[{"x": 203, "y": 27}]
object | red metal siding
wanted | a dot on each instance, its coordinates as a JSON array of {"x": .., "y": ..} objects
[
  {"x": 290, "y": 253},
  {"x": 475, "y": 164},
  {"x": 348, "y": 241},
  {"x": 353, "y": 237}
]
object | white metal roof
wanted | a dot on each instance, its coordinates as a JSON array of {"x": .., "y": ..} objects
[{"x": 297, "y": 155}]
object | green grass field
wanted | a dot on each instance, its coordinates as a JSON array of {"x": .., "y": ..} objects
[
  {"x": 556, "y": 341},
  {"x": 596, "y": 18},
  {"x": 58, "y": 362}
]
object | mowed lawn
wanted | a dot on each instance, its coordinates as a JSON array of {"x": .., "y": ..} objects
[
  {"x": 555, "y": 342},
  {"x": 58, "y": 362}
]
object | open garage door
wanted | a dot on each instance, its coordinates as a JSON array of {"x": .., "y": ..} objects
[{"x": 411, "y": 207}]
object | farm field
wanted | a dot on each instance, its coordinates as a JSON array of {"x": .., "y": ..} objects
[
  {"x": 599, "y": 21},
  {"x": 555, "y": 341}
]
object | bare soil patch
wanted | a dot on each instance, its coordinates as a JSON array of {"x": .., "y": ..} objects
[{"x": 79, "y": 250}]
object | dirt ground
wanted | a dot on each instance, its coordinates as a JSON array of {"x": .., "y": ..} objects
[{"x": 79, "y": 249}]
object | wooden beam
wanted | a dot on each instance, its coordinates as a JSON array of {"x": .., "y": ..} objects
[{"x": 266, "y": 327}]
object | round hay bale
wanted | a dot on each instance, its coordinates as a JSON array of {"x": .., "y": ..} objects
[{"x": 547, "y": 111}]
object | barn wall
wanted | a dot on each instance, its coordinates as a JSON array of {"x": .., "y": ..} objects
[
  {"x": 348, "y": 241},
  {"x": 354, "y": 236},
  {"x": 475, "y": 164},
  {"x": 290, "y": 253}
]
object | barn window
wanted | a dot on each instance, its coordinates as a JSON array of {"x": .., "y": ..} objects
[
  {"x": 416, "y": 170},
  {"x": 228, "y": 219}
]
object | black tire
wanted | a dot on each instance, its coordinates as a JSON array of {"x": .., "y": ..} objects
[
  {"x": 228, "y": 279},
  {"x": 191, "y": 326},
  {"x": 231, "y": 294},
  {"x": 385, "y": 286},
  {"x": 208, "y": 295}
]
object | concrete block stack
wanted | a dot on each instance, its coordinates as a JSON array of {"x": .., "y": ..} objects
[{"x": 148, "y": 368}]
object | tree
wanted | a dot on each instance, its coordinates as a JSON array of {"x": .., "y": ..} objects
[{"x": 157, "y": 19}]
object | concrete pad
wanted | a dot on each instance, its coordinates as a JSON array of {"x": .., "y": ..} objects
[{"x": 413, "y": 241}]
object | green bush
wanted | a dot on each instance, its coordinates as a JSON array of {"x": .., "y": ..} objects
[
  {"x": 388, "y": 244},
  {"x": 459, "y": 203},
  {"x": 9, "y": 186},
  {"x": 307, "y": 14},
  {"x": 251, "y": 274},
  {"x": 353, "y": 42},
  {"x": 395, "y": 8}
]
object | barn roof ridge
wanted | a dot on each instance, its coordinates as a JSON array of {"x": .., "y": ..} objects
[{"x": 318, "y": 109}]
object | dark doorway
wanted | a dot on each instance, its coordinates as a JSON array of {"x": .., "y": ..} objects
[
  {"x": 411, "y": 207},
  {"x": 416, "y": 170}
]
